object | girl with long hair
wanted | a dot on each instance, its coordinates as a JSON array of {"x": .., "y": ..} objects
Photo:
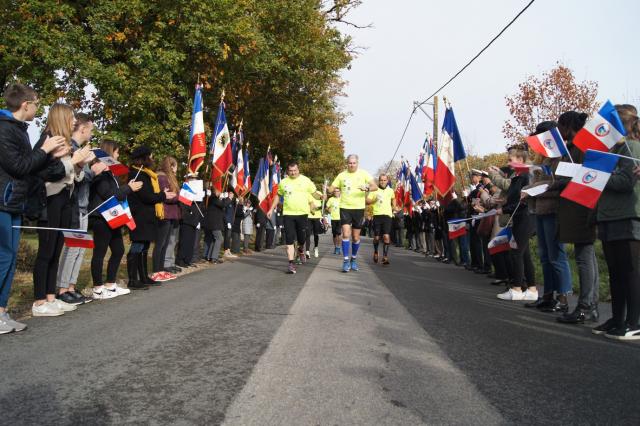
[{"x": 169, "y": 222}]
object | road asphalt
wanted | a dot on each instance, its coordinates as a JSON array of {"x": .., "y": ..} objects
[{"x": 415, "y": 342}]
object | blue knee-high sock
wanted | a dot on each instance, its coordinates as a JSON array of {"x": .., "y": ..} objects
[
  {"x": 345, "y": 248},
  {"x": 354, "y": 248}
]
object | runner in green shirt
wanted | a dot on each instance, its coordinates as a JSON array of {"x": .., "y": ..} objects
[
  {"x": 314, "y": 226},
  {"x": 384, "y": 206},
  {"x": 353, "y": 184},
  {"x": 296, "y": 190}
]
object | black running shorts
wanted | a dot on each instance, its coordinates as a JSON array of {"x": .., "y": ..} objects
[
  {"x": 295, "y": 229},
  {"x": 336, "y": 229},
  {"x": 353, "y": 217},
  {"x": 382, "y": 225}
]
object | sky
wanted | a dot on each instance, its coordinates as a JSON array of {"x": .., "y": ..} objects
[{"x": 415, "y": 46}]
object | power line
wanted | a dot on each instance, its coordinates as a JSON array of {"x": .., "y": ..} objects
[{"x": 417, "y": 105}]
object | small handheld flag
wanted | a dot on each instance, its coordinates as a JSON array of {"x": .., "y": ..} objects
[
  {"x": 131, "y": 224},
  {"x": 113, "y": 213},
  {"x": 457, "y": 230},
  {"x": 587, "y": 185},
  {"x": 78, "y": 239},
  {"x": 186, "y": 195},
  {"x": 548, "y": 144},
  {"x": 602, "y": 131},
  {"x": 116, "y": 167},
  {"x": 503, "y": 241}
]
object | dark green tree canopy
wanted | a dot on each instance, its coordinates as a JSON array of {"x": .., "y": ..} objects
[{"x": 278, "y": 61}]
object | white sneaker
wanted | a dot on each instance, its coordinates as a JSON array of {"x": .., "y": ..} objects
[
  {"x": 117, "y": 290},
  {"x": 315, "y": 252},
  {"x": 47, "y": 309},
  {"x": 228, "y": 254},
  {"x": 512, "y": 294},
  {"x": 103, "y": 294},
  {"x": 530, "y": 295},
  {"x": 64, "y": 306}
]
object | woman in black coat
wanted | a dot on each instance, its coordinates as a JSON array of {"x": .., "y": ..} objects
[
  {"x": 146, "y": 208},
  {"x": 104, "y": 186}
]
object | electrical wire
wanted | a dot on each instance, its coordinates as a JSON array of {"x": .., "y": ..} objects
[{"x": 417, "y": 105}]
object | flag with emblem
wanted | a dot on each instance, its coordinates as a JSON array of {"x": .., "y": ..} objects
[
  {"x": 548, "y": 144},
  {"x": 503, "y": 241},
  {"x": 457, "y": 230},
  {"x": 602, "y": 131},
  {"x": 587, "y": 185},
  {"x": 78, "y": 239},
  {"x": 113, "y": 213},
  {"x": 222, "y": 155},
  {"x": 116, "y": 167}
]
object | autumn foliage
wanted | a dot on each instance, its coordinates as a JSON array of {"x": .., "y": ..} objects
[{"x": 545, "y": 98}]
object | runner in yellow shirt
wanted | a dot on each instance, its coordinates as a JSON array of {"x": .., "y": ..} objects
[
  {"x": 314, "y": 226},
  {"x": 333, "y": 209},
  {"x": 295, "y": 190},
  {"x": 353, "y": 183},
  {"x": 384, "y": 206}
]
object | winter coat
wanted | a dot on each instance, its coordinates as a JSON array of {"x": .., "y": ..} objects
[
  {"x": 142, "y": 204},
  {"x": 576, "y": 223},
  {"x": 171, "y": 207},
  {"x": 547, "y": 202},
  {"x": 247, "y": 222},
  {"x": 214, "y": 216},
  {"x": 18, "y": 165},
  {"x": 618, "y": 210},
  {"x": 103, "y": 187}
]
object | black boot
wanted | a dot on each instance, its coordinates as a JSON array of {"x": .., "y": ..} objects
[
  {"x": 542, "y": 302},
  {"x": 132, "y": 273},
  {"x": 580, "y": 315},
  {"x": 143, "y": 270}
]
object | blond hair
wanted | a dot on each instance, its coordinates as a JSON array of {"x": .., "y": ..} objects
[
  {"x": 629, "y": 116},
  {"x": 60, "y": 121}
]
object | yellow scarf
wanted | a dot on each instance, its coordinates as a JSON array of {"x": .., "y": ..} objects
[{"x": 156, "y": 189}]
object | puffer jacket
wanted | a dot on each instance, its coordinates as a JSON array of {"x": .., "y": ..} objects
[
  {"x": 620, "y": 199},
  {"x": 18, "y": 164}
]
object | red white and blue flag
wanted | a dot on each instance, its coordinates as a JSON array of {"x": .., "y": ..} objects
[
  {"x": 450, "y": 149},
  {"x": 260, "y": 186},
  {"x": 197, "y": 139},
  {"x": 131, "y": 224},
  {"x": 113, "y": 213},
  {"x": 587, "y": 185},
  {"x": 116, "y": 167},
  {"x": 78, "y": 239},
  {"x": 274, "y": 181},
  {"x": 399, "y": 192},
  {"x": 602, "y": 131},
  {"x": 428, "y": 171},
  {"x": 222, "y": 155},
  {"x": 186, "y": 196},
  {"x": 548, "y": 144},
  {"x": 416, "y": 192},
  {"x": 457, "y": 230},
  {"x": 503, "y": 241}
]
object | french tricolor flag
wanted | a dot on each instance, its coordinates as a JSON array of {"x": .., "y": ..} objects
[
  {"x": 548, "y": 144},
  {"x": 457, "y": 230},
  {"x": 602, "y": 131},
  {"x": 114, "y": 213},
  {"x": 587, "y": 185},
  {"x": 451, "y": 149},
  {"x": 131, "y": 224},
  {"x": 186, "y": 195},
  {"x": 116, "y": 167},
  {"x": 503, "y": 241},
  {"x": 78, "y": 239}
]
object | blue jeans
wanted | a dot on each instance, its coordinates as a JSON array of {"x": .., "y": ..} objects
[
  {"x": 555, "y": 266},
  {"x": 9, "y": 239}
]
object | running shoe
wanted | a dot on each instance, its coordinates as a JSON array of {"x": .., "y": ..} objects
[
  {"x": 291, "y": 269},
  {"x": 354, "y": 265},
  {"x": 336, "y": 250},
  {"x": 315, "y": 252},
  {"x": 346, "y": 265},
  {"x": 307, "y": 254}
]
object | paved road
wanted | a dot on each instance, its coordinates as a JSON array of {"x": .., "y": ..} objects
[{"x": 417, "y": 342}]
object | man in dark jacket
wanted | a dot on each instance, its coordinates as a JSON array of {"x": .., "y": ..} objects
[
  {"x": 214, "y": 223},
  {"x": 17, "y": 162}
]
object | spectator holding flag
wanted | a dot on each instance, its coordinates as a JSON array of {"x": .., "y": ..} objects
[
  {"x": 576, "y": 225},
  {"x": 618, "y": 218},
  {"x": 147, "y": 209},
  {"x": 553, "y": 257},
  {"x": 103, "y": 187},
  {"x": 166, "y": 179},
  {"x": 523, "y": 274}
]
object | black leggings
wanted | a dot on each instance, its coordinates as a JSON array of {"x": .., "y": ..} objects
[
  {"x": 104, "y": 237},
  {"x": 623, "y": 262},
  {"x": 50, "y": 244},
  {"x": 313, "y": 226},
  {"x": 162, "y": 241},
  {"x": 522, "y": 266}
]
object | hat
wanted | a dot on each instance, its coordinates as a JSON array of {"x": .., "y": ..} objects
[
  {"x": 140, "y": 152},
  {"x": 191, "y": 175},
  {"x": 484, "y": 173},
  {"x": 475, "y": 172}
]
